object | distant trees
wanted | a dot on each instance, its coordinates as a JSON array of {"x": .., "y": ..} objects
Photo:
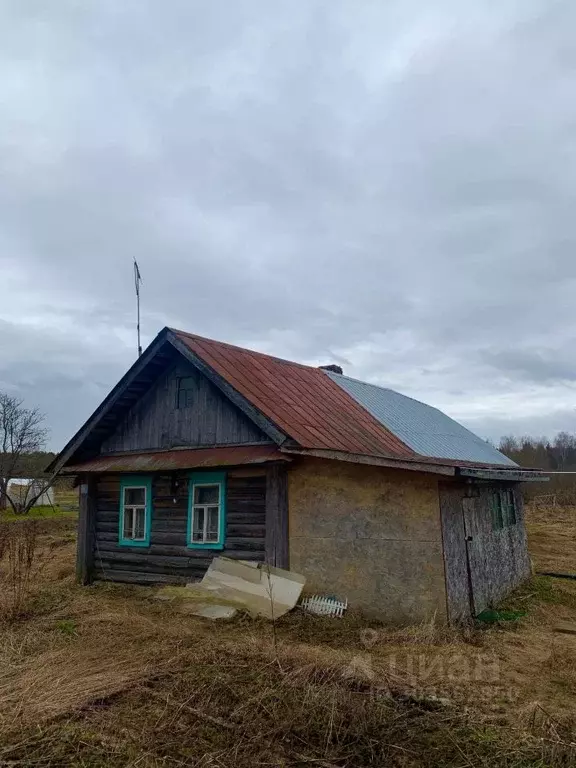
[
  {"x": 23, "y": 436},
  {"x": 557, "y": 455}
]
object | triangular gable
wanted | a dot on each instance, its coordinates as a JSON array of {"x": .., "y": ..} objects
[
  {"x": 182, "y": 408},
  {"x": 157, "y": 358}
]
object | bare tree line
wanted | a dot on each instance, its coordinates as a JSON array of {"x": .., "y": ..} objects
[
  {"x": 23, "y": 437},
  {"x": 556, "y": 455}
]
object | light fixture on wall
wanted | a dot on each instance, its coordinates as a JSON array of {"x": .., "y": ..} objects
[{"x": 174, "y": 488}]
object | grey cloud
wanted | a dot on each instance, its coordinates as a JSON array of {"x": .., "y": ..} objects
[
  {"x": 544, "y": 425},
  {"x": 538, "y": 366},
  {"x": 388, "y": 185}
]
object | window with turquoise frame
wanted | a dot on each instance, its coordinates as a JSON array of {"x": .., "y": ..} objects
[
  {"x": 135, "y": 511},
  {"x": 207, "y": 510}
]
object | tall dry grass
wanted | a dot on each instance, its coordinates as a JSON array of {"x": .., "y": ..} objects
[
  {"x": 108, "y": 676},
  {"x": 232, "y": 705},
  {"x": 551, "y": 536},
  {"x": 21, "y": 561}
]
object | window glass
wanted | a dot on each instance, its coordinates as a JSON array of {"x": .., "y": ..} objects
[
  {"x": 509, "y": 507},
  {"x": 503, "y": 509},
  {"x": 135, "y": 508},
  {"x": 206, "y": 494},
  {"x": 135, "y": 496},
  {"x": 212, "y": 530},
  {"x": 128, "y": 518},
  {"x": 198, "y": 525},
  {"x": 185, "y": 396},
  {"x": 139, "y": 523},
  {"x": 496, "y": 510},
  {"x": 207, "y": 502},
  {"x": 513, "y": 517}
]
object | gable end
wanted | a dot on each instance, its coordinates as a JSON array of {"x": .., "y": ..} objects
[
  {"x": 157, "y": 359},
  {"x": 270, "y": 429},
  {"x": 162, "y": 419}
]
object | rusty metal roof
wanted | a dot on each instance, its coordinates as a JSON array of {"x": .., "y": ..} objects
[
  {"x": 302, "y": 401},
  {"x": 323, "y": 410},
  {"x": 193, "y": 458},
  {"x": 298, "y": 405}
]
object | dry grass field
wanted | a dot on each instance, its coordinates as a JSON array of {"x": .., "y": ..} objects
[
  {"x": 109, "y": 676},
  {"x": 552, "y": 538}
]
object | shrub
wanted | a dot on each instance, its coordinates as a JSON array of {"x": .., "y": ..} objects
[{"x": 20, "y": 564}]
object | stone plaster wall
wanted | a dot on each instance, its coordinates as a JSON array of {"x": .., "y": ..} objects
[{"x": 369, "y": 534}]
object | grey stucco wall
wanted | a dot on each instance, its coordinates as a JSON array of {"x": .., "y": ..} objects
[{"x": 369, "y": 534}]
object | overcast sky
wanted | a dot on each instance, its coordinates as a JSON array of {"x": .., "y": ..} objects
[{"x": 390, "y": 186}]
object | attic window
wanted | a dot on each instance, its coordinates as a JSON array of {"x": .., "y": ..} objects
[{"x": 185, "y": 392}]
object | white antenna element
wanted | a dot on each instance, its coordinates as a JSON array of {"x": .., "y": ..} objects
[{"x": 137, "y": 281}]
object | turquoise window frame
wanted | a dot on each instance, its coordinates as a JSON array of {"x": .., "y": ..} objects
[
  {"x": 207, "y": 478},
  {"x": 136, "y": 481}
]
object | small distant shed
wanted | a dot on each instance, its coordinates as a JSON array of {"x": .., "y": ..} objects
[{"x": 21, "y": 489}]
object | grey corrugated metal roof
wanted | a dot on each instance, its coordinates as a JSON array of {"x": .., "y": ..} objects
[{"x": 423, "y": 428}]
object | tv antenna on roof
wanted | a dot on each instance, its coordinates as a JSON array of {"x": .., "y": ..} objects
[{"x": 137, "y": 281}]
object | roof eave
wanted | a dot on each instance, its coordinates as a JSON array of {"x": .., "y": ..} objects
[
  {"x": 422, "y": 464},
  {"x": 76, "y": 441},
  {"x": 514, "y": 474},
  {"x": 372, "y": 460},
  {"x": 180, "y": 459}
]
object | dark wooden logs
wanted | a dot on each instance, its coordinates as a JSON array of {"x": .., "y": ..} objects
[
  {"x": 168, "y": 558},
  {"x": 276, "y": 549},
  {"x": 86, "y": 530}
]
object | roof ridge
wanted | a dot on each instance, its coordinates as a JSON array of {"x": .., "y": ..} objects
[
  {"x": 282, "y": 360},
  {"x": 385, "y": 389}
]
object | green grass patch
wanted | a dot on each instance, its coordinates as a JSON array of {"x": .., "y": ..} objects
[
  {"x": 538, "y": 590},
  {"x": 39, "y": 513},
  {"x": 67, "y": 627},
  {"x": 491, "y": 616}
]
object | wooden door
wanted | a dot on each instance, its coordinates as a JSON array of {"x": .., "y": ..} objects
[
  {"x": 456, "y": 558},
  {"x": 475, "y": 558}
]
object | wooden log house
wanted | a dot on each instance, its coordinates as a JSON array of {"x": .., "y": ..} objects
[{"x": 204, "y": 448}]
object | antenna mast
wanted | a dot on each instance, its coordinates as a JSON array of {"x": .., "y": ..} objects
[{"x": 137, "y": 281}]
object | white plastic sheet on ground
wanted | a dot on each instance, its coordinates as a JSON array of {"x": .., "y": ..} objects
[{"x": 258, "y": 588}]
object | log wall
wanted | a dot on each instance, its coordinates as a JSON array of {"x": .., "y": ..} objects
[{"x": 168, "y": 559}]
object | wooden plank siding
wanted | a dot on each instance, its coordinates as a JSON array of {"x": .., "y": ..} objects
[
  {"x": 458, "y": 593},
  {"x": 86, "y": 530},
  {"x": 155, "y": 422},
  {"x": 482, "y": 565},
  {"x": 277, "y": 516},
  {"x": 168, "y": 559}
]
